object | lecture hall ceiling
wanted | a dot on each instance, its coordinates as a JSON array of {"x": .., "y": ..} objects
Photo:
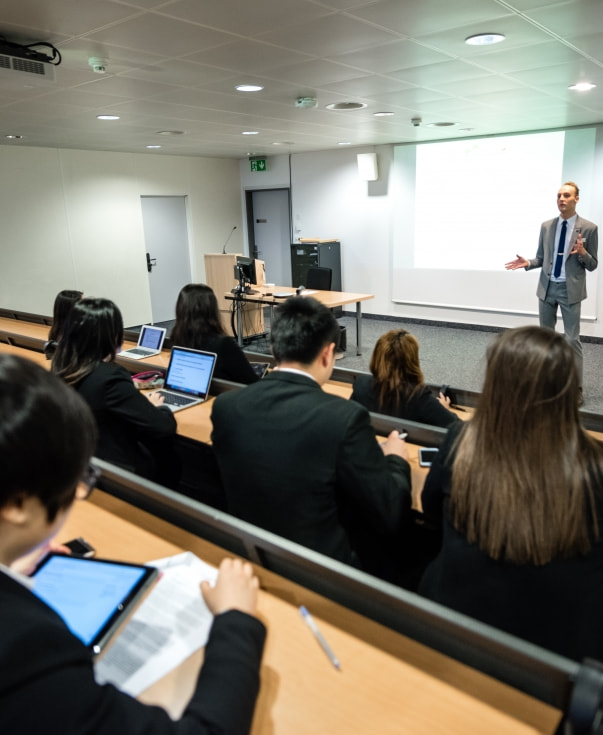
[{"x": 173, "y": 66}]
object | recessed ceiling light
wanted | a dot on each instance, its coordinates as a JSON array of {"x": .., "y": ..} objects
[
  {"x": 346, "y": 106},
  {"x": 250, "y": 132},
  {"x": 582, "y": 86},
  {"x": 344, "y": 142},
  {"x": 107, "y": 117},
  {"x": 14, "y": 137},
  {"x": 170, "y": 132},
  {"x": 153, "y": 146},
  {"x": 440, "y": 125},
  {"x": 383, "y": 114},
  {"x": 249, "y": 88},
  {"x": 484, "y": 39}
]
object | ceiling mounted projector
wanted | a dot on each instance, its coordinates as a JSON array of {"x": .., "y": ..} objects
[
  {"x": 306, "y": 102},
  {"x": 17, "y": 72}
]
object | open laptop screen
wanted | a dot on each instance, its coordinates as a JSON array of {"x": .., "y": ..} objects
[
  {"x": 190, "y": 371},
  {"x": 151, "y": 337}
]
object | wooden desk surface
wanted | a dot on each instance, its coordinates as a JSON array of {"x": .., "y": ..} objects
[
  {"x": 195, "y": 422},
  {"x": 388, "y": 683},
  {"x": 331, "y": 299},
  {"x": 37, "y": 357}
]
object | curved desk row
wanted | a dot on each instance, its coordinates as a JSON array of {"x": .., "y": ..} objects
[{"x": 408, "y": 665}]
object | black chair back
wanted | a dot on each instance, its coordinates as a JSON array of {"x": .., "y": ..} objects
[{"x": 319, "y": 278}]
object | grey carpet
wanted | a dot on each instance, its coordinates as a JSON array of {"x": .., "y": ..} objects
[{"x": 455, "y": 356}]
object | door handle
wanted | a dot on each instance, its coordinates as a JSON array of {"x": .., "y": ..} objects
[{"x": 150, "y": 262}]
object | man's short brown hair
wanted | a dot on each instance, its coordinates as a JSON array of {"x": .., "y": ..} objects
[{"x": 571, "y": 183}]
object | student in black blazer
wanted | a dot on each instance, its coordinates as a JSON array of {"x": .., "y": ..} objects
[
  {"x": 198, "y": 325},
  {"x": 135, "y": 430},
  {"x": 47, "y": 680},
  {"x": 396, "y": 386},
  {"x": 301, "y": 462}
]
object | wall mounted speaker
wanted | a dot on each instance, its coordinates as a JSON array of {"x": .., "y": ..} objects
[{"x": 367, "y": 166}]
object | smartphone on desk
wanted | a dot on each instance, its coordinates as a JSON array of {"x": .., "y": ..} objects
[
  {"x": 80, "y": 547},
  {"x": 427, "y": 455}
]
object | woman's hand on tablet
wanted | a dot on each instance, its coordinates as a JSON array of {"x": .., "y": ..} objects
[{"x": 235, "y": 589}]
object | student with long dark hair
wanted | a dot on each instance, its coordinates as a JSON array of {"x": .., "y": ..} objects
[
  {"x": 135, "y": 430},
  {"x": 519, "y": 490},
  {"x": 396, "y": 386},
  {"x": 63, "y": 303},
  {"x": 198, "y": 326},
  {"x": 47, "y": 680}
]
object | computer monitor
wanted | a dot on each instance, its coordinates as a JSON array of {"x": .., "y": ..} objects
[
  {"x": 245, "y": 269},
  {"x": 244, "y": 272}
]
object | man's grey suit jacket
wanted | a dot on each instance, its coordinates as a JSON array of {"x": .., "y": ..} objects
[{"x": 575, "y": 266}]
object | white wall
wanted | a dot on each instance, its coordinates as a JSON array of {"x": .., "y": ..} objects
[{"x": 72, "y": 219}]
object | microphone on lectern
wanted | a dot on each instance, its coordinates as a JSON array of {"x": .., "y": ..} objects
[{"x": 227, "y": 239}]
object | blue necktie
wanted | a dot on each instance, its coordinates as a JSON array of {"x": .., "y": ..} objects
[{"x": 560, "y": 250}]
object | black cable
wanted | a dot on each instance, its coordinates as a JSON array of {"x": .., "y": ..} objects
[
  {"x": 56, "y": 57},
  {"x": 29, "y": 51}
]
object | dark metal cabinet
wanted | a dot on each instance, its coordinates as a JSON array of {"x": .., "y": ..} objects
[{"x": 322, "y": 253}]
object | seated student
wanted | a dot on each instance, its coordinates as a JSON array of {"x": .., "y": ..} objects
[
  {"x": 520, "y": 487},
  {"x": 396, "y": 386},
  {"x": 62, "y": 306},
  {"x": 198, "y": 326},
  {"x": 134, "y": 430},
  {"x": 303, "y": 463},
  {"x": 47, "y": 680}
]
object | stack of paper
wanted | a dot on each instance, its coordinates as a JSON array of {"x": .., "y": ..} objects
[{"x": 171, "y": 624}]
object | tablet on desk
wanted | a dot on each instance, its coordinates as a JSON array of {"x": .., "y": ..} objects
[{"x": 93, "y": 596}]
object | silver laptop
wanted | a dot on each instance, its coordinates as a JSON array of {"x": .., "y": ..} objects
[
  {"x": 188, "y": 377},
  {"x": 150, "y": 342}
]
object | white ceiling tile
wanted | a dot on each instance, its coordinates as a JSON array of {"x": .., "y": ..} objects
[
  {"x": 426, "y": 16},
  {"x": 63, "y": 17},
  {"x": 253, "y": 57},
  {"x": 160, "y": 35},
  {"x": 334, "y": 35},
  {"x": 249, "y": 18},
  {"x": 391, "y": 56},
  {"x": 571, "y": 19},
  {"x": 174, "y": 64},
  {"x": 316, "y": 73}
]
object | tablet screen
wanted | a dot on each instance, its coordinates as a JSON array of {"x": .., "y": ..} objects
[{"x": 91, "y": 595}]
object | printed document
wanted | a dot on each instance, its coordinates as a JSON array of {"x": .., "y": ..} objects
[{"x": 170, "y": 624}]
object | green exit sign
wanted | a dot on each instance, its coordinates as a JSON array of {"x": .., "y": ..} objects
[{"x": 258, "y": 164}]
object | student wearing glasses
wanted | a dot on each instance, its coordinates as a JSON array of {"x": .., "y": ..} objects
[{"x": 47, "y": 680}]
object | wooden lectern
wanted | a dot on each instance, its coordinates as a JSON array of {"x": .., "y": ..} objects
[{"x": 219, "y": 274}]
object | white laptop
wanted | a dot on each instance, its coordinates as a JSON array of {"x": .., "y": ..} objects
[
  {"x": 150, "y": 342},
  {"x": 188, "y": 377}
]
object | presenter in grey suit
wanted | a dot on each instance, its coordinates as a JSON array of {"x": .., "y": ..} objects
[{"x": 564, "y": 261}]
